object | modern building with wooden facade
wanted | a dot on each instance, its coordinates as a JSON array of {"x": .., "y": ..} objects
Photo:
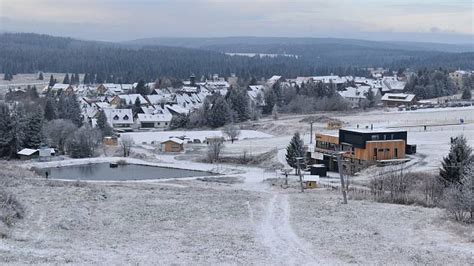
[{"x": 360, "y": 147}]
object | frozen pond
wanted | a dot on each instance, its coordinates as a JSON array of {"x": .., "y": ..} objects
[{"x": 103, "y": 172}]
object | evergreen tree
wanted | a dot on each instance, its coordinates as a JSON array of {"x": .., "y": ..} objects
[
  {"x": 270, "y": 101},
  {"x": 460, "y": 155},
  {"x": 103, "y": 125},
  {"x": 7, "y": 76},
  {"x": 238, "y": 101},
  {"x": 371, "y": 98},
  {"x": 141, "y": 88},
  {"x": 40, "y": 77},
  {"x": 52, "y": 81},
  {"x": 220, "y": 113},
  {"x": 6, "y": 125},
  {"x": 69, "y": 108},
  {"x": 33, "y": 129},
  {"x": 76, "y": 79},
  {"x": 466, "y": 94},
  {"x": 66, "y": 79},
  {"x": 294, "y": 150},
  {"x": 17, "y": 132},
  {"x": 50, "y": 109},
  {"x": 32, "y": 93},
  {"x": 86, "y": 79},
  {"x": 136, "y": 108}
]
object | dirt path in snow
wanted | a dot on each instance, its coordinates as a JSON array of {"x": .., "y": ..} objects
[{"x": 276, "y": 233}]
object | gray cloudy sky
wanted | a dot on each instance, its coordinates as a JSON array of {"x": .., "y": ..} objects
[{"x": 117, "y": 20}]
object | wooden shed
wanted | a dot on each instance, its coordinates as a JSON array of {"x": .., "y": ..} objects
[
  {"x": 172, "y": 145},
  {"x": 27, "y": 154},
  {"x": 311, "y": 182},
  {"x": 110, "y": 141}
]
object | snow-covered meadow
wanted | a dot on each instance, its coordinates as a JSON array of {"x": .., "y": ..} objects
[
  {"x": 237, "y": 217},
  {"x": 159, "y": 136}
]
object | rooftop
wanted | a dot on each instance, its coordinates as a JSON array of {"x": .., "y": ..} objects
[{"x": 375, "y": 130}]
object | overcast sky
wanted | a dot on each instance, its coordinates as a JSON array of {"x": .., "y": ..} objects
[{"x": 118, "y": 20}]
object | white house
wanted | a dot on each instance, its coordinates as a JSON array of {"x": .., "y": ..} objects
[
  {"x": 392, "y": 84},
  {"x": 355, "y": 95},
  {"x": 157, "y": 121},
  {"x": 119, "y": 118},
  {"x": 256, "y": 94}
]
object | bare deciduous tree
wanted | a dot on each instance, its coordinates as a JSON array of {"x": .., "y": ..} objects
[
  {"x": 214, "y": 148},
  {"x": 231, "y": 131},
  {"x": 58, "y": 132},
  {"x": 126, "y": 142}
]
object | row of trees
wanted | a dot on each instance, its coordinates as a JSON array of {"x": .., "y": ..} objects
[
  {"x": 428, "y": 84},
  {"x": 54, "y": 121},
  {"x": 218, "y": 110},
  {"x": 307, "y": 98}
]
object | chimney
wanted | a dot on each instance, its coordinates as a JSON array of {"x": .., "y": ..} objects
[{"x": 192, "y": 80}]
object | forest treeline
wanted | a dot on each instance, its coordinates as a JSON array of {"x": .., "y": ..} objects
[{"x": 29, "y": 53}]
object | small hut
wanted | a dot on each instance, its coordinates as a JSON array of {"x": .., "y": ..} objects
[
  {"x": 28, "y": 154},
  {"x": 311, "y": 182},
  {"x": 172, "y": 145}
]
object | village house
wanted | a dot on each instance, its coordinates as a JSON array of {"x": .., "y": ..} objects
[
  {"x": 59, "y": 87},
  {"x": 114, "y": 89},
  {"x": 398, "y": 99},
  {"x": 392, "y": 85},
  {"x": 120, "y": 119},
  {"x": 356, "y": 96},
  {"x": 161, "y": 99},
  {"x": 274, "y": 79},
  {"x": 154, "y": 121},
  {"x": 256, "y": 94},
  {"x": 458, "y": 77},
  {"x": 127, "y": 100}
]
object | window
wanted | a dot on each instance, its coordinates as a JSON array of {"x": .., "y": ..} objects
[
  {"x": 396, "y": 153},
  {"x": 125, "y": 117},
  {"x": 116, "y": 117},
  {"x": 158, "y": 123},
  {"x": 380, "y": 150},
  {"x": 375, "y": 137}
]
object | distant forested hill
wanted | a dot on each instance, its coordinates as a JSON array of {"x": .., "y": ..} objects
[{"x": 27, "y": 53}]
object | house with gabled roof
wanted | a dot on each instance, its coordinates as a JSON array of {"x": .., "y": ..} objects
[
  {"x": 128, "y": 99},
  {"x": 121, "y": 119},
  {"x": 357, "y": 95}
]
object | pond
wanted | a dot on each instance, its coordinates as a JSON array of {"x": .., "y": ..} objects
[{"x": 103, "y": 172}]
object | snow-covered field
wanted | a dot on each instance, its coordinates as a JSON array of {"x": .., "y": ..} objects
[
  {"x": 23, "y": 80},
  {"x": 237, "y": 218},
  {"x": 196, "y": 222},
  {"x": 158, "y": 136}
]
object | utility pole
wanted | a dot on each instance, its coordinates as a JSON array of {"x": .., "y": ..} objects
[
  {"x": 311, "y": 132},
  {"x": 299, "y": 162},
  {"x": 343, "y": 186}
]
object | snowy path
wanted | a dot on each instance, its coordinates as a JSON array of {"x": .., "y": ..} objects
[{"x": 277, "y": 235}]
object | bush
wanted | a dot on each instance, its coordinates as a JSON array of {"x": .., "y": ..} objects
[
  {"x": 397, "y": 186},
  {"x": 10, "y": 208}
]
